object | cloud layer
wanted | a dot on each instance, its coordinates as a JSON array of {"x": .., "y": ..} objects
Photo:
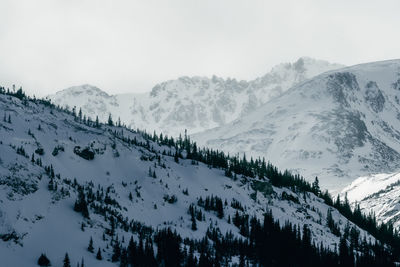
[{"x": 128, "y": 46}]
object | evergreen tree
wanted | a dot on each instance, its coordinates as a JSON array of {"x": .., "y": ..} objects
[
  {"x": 116, "y": 252},
  {"x": 90, "y": 247},
  {"x": 315, "y": 187},
  {"x": 124, "y": 258},
  {"x": 80, "y": 114},
  {"x": 194, "y": 224},
  {"x": 81, "y": 204},
  {"x": 43, "y": 260},
  {"x": 98, "y": 255},
  {"x": 97, "y": 123},
  {"x": 110, "y": 121},
  {"x": 345, "y": 257},
  {"x": 66, "y": 261}
]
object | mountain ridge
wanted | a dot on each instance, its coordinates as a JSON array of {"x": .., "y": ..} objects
[
  {"x": 126, "y": 184},
  {"x": 193, "y": 103},
  {"x": 338, "y": 126}
]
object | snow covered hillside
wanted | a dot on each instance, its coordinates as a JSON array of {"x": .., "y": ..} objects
[
  {"x": 338, "y": 126},
  {"x": 50, "y": 160},
  {"x": 378, "y": 194},
  {"x": 192, "y": 103}
]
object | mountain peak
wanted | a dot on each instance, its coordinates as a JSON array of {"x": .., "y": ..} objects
[
  {"x": 195, "y": 103},
  {"x": 84, "y": 89}
]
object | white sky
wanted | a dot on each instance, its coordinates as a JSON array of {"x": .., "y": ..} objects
[{"x": 129, "y": 46}]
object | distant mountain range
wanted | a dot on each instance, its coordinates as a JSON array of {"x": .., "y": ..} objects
[
  {"x": 192, "y": 103},
  {"x": 311, "y": 117}
]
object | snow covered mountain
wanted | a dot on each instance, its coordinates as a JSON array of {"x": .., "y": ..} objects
[
  {"x": 192, "y": 103},
  {"x": 338, "y": 126},
  {"x": 122, "y": 183},
  {"x": 377, "y": 193}
]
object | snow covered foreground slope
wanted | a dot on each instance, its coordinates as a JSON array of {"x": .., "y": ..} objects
[
  {"x": 192, "y": 103},
  {"x": 338, "y": 126},
  {"x": 35, "y": 220}
]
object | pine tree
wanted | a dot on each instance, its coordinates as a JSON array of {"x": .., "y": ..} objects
[
  {"x": 124, "y": 258},
  {"x": 81, "y": 204},
  {"x": 315, "y": 186},
  {"x": 98, "y": 255},
  {"x": 110, "y": 121},
  {"x": 43, "y": 260},
  {"x": 97, "y": 124},
  {"x": 90, "y": 247},
  {"x": 66, "y": 261},
  {"x": 194, "y": 224},
  {"x": 116, "y": 252},
  {"x": 80, "y": 114}
]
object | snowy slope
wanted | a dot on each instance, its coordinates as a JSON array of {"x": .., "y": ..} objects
[
  {"x": 338, "y": 126},
  {"x": 34, "y": 220},
  {"x": 192, "y": 103},
  {"x": 377, "y": 193}
]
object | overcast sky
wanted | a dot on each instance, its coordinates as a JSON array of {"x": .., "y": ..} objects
[{"x": 129, "y": 46}]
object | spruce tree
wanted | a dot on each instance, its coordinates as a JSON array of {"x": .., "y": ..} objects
[
  {"x": 315, "y": 187},
  {"x": 66, "y": 261},
  {"x": 116, "y": 252},
  {"x": 97, "y": 124},
  {"x": 98, "y": 255},
  {"x": 194, "y": 225},
  {"x": 124, "y": 258},
  {"x": 110, "y": 121},
  {"x": 43, "y": 260},
  {"x": 90, "y": 247},
  {"x": 80, "y": 114}
]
